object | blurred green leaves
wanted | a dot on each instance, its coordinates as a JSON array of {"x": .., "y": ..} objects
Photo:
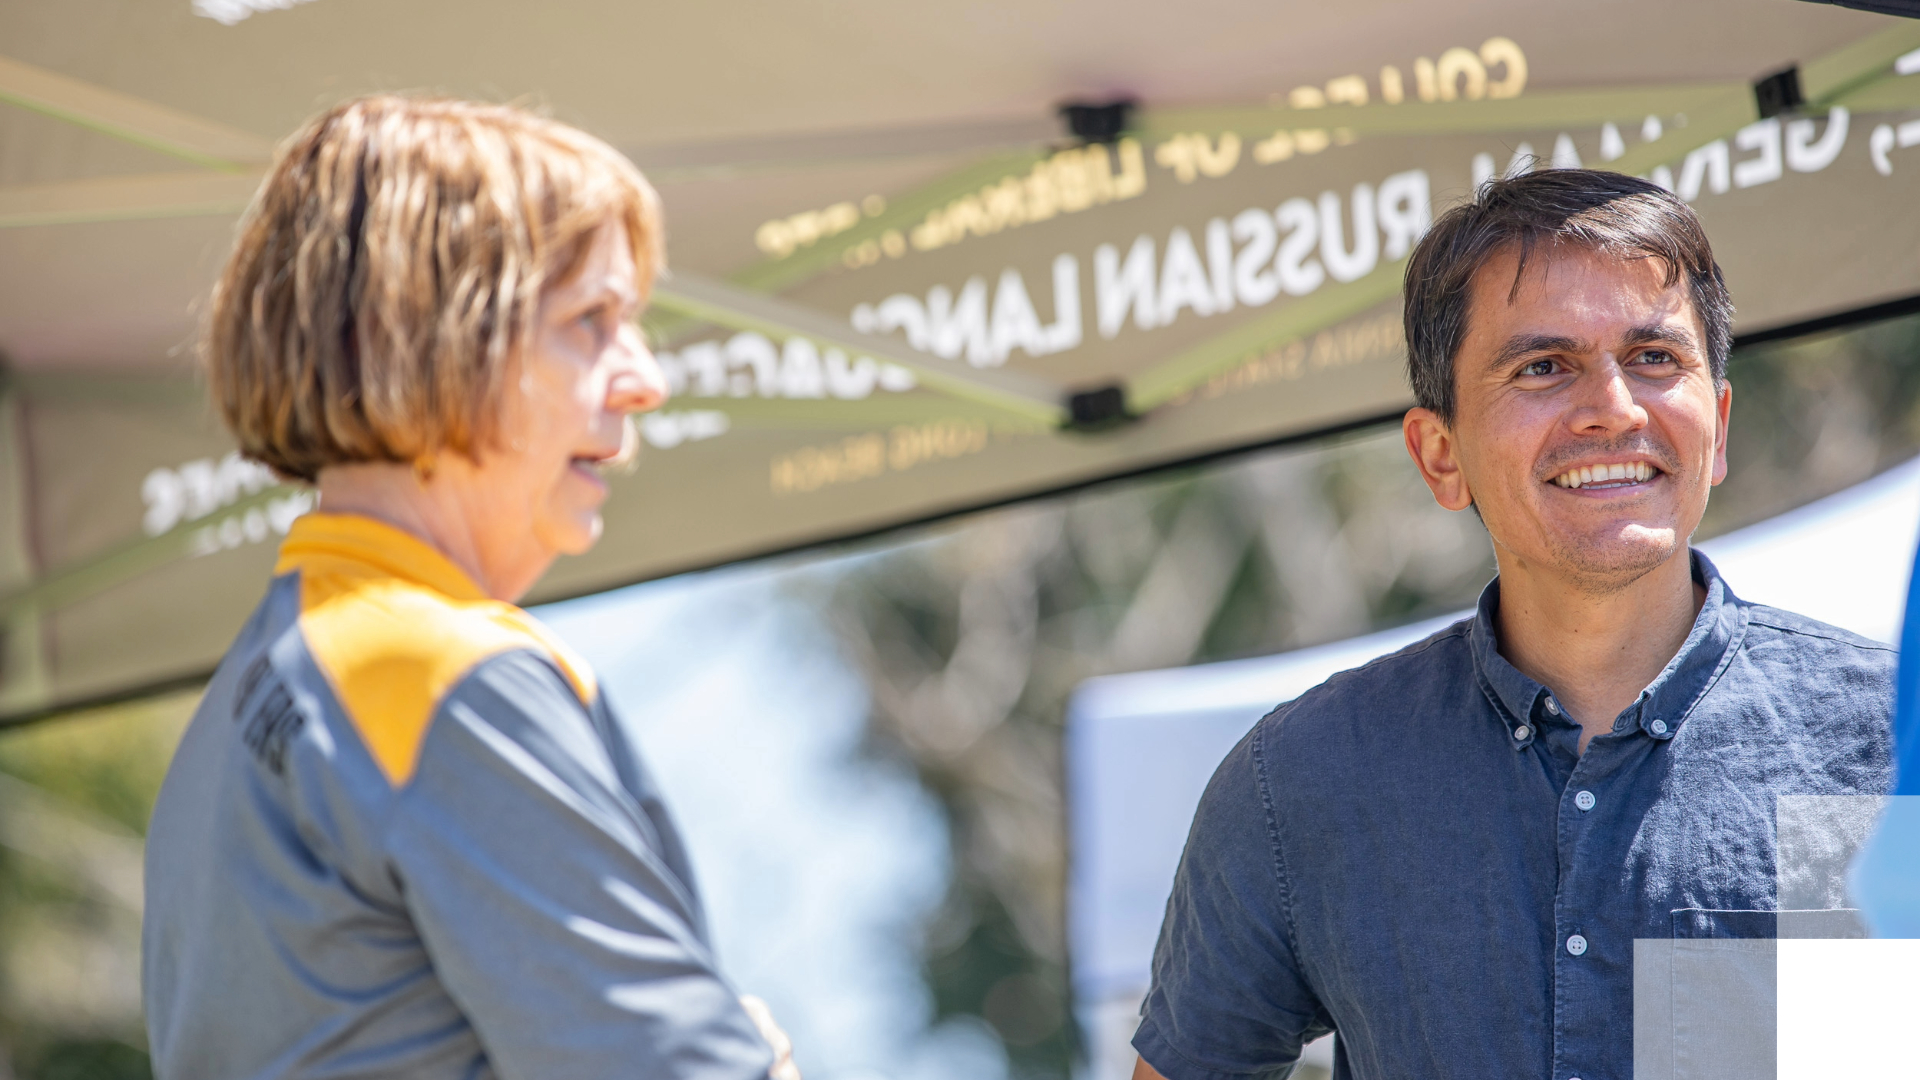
[{"x": 75, "y": 795}]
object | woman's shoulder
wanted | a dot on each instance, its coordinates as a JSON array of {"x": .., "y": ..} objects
[{"x": 393, "y": 652}]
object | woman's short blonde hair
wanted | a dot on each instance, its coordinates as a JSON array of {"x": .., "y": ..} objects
[{"x": 390, "y": 269}]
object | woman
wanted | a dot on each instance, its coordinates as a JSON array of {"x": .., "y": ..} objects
[{"x": 404, "y": 836}]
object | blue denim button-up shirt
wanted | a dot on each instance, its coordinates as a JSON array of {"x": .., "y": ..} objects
[{"x": 1416, "y": 854}]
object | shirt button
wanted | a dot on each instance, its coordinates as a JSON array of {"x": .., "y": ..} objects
[
  {"x": 1576, "y": 945},
  {"x": 1659, "y": 727},
  {"x": 1522, "y": 732},
  {"x": 1553, "y": 706},
  {"x": 1584, "y": 800}
]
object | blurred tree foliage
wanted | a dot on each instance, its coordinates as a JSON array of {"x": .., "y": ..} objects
[
  {"x": 75, "y": 795},
  {"x": 972, "y": 636},
  {"x": 1816, "y": 414}
]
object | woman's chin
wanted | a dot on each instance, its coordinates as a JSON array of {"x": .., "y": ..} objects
[
  {"x": 585, "y": 533},
  {"x": 572, "y": 533},
  {"x": 591, "y": 536}
]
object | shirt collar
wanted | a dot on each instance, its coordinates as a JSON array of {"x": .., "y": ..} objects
[
  {"x": 319, "y": 538},
  {"x": 1666, "y": 702}
]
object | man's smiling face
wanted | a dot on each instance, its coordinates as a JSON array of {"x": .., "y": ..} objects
[{"x": 1587, "y": 428}]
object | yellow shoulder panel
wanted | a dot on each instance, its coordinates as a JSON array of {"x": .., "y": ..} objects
[{"x": 392, "y": 649}]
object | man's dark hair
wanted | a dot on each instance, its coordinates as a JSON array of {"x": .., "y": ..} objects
[{"x": 1588, "y": 208}]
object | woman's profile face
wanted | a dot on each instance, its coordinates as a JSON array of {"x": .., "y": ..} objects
[{"x": 564, "y": 418}]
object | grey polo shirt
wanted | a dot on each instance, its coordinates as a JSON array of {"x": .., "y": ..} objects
[{"x": 404, "y": 836}]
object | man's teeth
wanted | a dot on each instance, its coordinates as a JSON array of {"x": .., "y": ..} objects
[{"x": 1625, "y": 472}]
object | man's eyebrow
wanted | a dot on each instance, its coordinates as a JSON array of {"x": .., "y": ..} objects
[
  {"x": 1677, "y": 336},
  {"x": 1527, "y": 344}
]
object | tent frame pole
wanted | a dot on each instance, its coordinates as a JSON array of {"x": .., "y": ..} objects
[{"x": 1019, "y": 395}]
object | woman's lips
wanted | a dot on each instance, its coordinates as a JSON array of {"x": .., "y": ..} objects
[{"x": 588, "y": 469}]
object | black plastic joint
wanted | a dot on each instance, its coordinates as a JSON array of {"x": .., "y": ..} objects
[
  {"x": 1099, "y": 408},
  {"x": 1097, "y": 123},
  {"x": 1778, "y": 93}
]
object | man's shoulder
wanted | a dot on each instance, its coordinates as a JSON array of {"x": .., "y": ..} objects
[
  {"x": 393, "y": 651},
  {"x": 1823, "y": 697},
  {"x": 1390, "y": 685},
  {"x": 1769, "y": 625},
  {"x": 1831, "y": 678},
  {"x": 1311, "y": 762}
]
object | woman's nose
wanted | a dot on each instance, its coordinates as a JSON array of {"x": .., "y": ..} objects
[{"x": 638, "y": 384}]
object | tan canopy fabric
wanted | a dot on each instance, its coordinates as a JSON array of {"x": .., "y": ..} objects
[{"x": 900, "y": 287}]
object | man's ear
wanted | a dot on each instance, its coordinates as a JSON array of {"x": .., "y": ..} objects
[
  {"x": 1431, "y": 445},
  {"x": 1724, "y": 407}
]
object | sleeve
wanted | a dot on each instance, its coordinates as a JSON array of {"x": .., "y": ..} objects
[
  {"x": 539, "y": 889},
  {"x": 1228, "y": 1000}
]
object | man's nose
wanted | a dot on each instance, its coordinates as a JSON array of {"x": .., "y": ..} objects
[
  {"x": 1605, "y": 401},
  {"x": 637, "y": 384}
]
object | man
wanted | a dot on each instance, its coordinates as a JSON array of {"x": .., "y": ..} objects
[{"x": 1447, "y": 855}]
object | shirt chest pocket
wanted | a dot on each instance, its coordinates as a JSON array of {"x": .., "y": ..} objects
[{"x": 1705, "y": 1000}]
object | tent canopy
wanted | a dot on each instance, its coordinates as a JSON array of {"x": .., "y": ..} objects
[{"x": 901, "y": 286}]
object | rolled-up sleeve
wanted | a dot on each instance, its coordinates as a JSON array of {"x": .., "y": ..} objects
[
  {"x": 1228, "y": 998},
  {"x": 542, "y": 893}
]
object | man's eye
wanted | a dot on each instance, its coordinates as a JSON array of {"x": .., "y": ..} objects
[
  {"x": 1658, "y": 356},
  {"x": 1538, "y": 367}
]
